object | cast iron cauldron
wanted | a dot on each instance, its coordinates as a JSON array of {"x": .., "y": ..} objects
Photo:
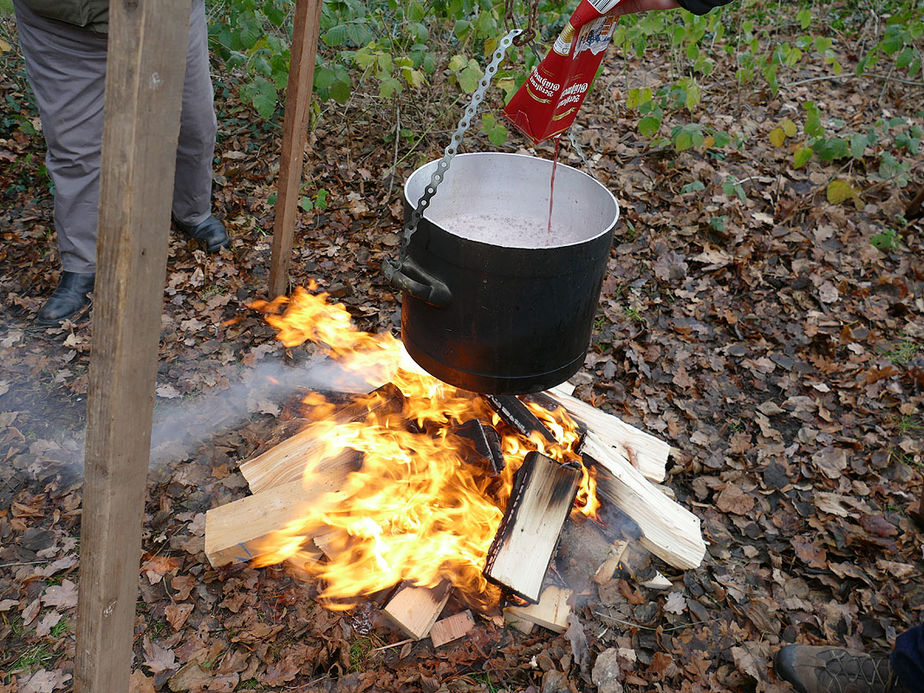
[{"x": 493, "y": 302}]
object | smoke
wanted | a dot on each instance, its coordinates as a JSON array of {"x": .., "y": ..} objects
[{"x": 181, "y": 426}]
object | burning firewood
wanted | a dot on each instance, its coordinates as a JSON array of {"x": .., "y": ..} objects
[
  {"x": 515, "y": 414},
  {"x": 286, "y": 462},
  {"x": 485, "y": 444},
  {"x": 645, "y": 452},
  {"x": 540, "y": 501},
  {"x": 415, "y": 609},
  {"x": 669, "y": 530},
  {"x": 235, "y": 532}
]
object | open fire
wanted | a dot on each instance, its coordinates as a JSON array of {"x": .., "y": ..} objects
[
  {"x": 423, "y": 506},
  {"x": 426, "y": 488}
]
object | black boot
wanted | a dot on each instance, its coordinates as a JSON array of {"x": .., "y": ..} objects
[
  {"x": 813, "y": 669},
  {"x": 68, "y": 300},
  {"x": 211, "y": 233}
]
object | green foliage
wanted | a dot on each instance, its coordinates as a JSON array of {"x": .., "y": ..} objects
[
  {"x": 497, "y": 133},
  {"x": 35, "y": 657},
  {"x": 886, "y": 241},
  {"x": 318, "y": 201},
  {"x": 390, "y": 45}
]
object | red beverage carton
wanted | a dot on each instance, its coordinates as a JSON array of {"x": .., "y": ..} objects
[{"x": 547, "y": 103}]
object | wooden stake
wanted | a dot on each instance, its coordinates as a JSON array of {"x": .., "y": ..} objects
[
  {"x": 451, "y": 628},
  {"x": 144, "y": 81},
  {"x": 669, "y": 530},
  {"x": 303, "y": 51},
  {"x": 415, "y": 609},
  {"x": 542, "y": 495}
]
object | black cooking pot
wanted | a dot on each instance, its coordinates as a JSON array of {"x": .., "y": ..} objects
[{"x": 493, "y": 301}]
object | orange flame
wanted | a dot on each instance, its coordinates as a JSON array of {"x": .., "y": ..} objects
[{"x": 418, "y": 508}]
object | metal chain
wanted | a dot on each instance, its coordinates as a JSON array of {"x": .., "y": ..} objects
[
  {"x": 417, "y": 214},
  {"x": 510, "y": 20}
]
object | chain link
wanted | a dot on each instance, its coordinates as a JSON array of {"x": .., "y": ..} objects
[
  {"x": 417, "y": 214},
  {"x": 510, "y": 20}
]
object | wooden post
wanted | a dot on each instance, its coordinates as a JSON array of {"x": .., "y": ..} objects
[
  {"x": 144, "y": 81},
  {"x": 298, "y": 97}
]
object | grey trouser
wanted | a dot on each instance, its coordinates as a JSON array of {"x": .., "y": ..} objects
[{"x": 66, "y": 66}]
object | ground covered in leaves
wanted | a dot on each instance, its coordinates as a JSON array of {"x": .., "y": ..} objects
[{"x": 778, "y": 351}]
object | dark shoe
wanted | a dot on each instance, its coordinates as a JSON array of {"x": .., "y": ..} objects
[
  {"x": 68, "y": 300},
  {"x": 210, "y": 233},
  {"x": 826, "y": 669}
]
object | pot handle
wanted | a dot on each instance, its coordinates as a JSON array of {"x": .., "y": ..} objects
[{"x": 425, "y": 287}]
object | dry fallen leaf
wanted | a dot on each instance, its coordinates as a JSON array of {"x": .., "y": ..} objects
[
  {"x": 63, "y": 596},
  {"x": 177, "y": 614},
  {"x": 733, "y": 500},
  {"x": 158, "y": 659},
  {"x": 675, "y": 603},
  {"x": 44, "y": 681}
]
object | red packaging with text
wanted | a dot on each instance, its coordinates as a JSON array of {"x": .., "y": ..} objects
[{"x": 547, "y": 103}]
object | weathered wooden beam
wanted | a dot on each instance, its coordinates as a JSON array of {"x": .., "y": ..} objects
[
  {"x": 288, "y": 461},
  {"x": 669, "y": 530},
  {"x": 414, "y": 610},
  {"x": 451, "y": 628},
  {"x": 550, "y": 612},
  {"x": 304, "y": 48},
  {"x": 144, "y": 82},
  {"x": 540, "y": 501},
  {"x": 643, "y": 450}
]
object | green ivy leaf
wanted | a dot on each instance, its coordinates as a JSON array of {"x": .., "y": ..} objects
[
  {"x": 468, "y": 79},
  {"x": 692, "y": 187},
  {"x": 649, "y": 125},
  {"x": 264, "y": 97},
  {"x": 388, "y": 86},
  {"x": 801, "y": 156},
  {"x": 829, "y": 149}
]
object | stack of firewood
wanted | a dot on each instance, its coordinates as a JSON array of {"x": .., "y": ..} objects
[{"x": 629, "y": 465}]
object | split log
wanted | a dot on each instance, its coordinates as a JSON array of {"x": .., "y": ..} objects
[
  {"x": 451, "y": 628},
  {"x": 485, "y": 444},
  {"x": 236, "y": 532},
  {"x": 551, "y": 612},
  {"x": 646, "y": 452},
  {"x": 518, "y": 416},
  {"x": 540, "y": 501},
  {"x": 415, "y": 609},
  {"x": 669, "y": 530},
  {"x": 287, "y": 461}
]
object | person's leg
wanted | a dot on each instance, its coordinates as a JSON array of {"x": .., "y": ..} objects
[
  {"x": 192, "y": 195},
  {"x": 192, "y": 190},
  {"x": 66, "y": 67},
  {"x": 908, "y": 658}
]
